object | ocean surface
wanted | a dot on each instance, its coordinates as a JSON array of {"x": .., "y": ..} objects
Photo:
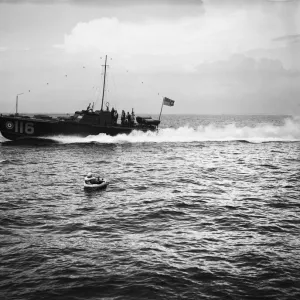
[{"x": 208, "y": 208}]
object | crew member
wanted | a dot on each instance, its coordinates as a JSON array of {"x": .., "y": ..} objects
[
  {"x": 128, "y": 117},
  {"x": 132, "y": 117},
  {"x": 116, "y": 115},
  {"x": 112, "y": 114},
  {"x": 90, "y": 179},
  {"x": 123, "y": 117}
]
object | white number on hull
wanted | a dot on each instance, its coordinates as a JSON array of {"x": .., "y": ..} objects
[
  {"x": 20, "y": 127},
  {"x": 29, "y": 129}
]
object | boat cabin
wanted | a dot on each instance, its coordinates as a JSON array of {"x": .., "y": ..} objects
[{"x": 98, "y": 117}]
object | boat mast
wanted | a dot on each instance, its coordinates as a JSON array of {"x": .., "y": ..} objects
[{"x": 104, "y": 82}]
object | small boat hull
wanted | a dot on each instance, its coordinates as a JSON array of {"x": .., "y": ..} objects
[{"x": 100, "y": 186}]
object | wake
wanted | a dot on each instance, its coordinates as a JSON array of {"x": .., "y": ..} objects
[{"x": 288, "y": 132}]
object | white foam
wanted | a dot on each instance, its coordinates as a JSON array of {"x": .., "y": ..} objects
[{"x": 289, "y": 131}]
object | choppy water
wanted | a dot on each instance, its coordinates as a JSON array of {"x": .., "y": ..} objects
[{"x": 207, "y": 209}]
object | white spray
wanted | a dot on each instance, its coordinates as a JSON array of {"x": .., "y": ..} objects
[{"x": 288, "y": 132}]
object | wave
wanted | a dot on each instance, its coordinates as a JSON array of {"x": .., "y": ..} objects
[
  {"x": 10, "y": 161},
  {"x": 288, "y": 132}
]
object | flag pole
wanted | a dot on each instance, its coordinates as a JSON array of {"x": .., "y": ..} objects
[{"x": 161, "y": 109}]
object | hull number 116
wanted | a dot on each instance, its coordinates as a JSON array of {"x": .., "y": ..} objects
[{"x": 20, "y": 127}]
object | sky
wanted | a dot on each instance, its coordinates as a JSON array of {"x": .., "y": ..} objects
[{"x": 210, "y": 56}]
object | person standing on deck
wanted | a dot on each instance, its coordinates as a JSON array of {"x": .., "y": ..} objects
[
  {"x": 123, "y": 117},
  {"x": 128, "y": 117},
  {"x": 112, "y": 115}
]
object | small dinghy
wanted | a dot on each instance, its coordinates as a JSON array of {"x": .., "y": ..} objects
[
  {"x": 96, "y": 186},
  {"x": 93, "y": 183}
]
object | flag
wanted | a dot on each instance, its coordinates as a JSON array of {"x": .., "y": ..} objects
[{"x": 168, "y": 102}]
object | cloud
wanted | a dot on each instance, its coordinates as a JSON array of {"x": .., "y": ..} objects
[
  {"x": 135, "y": 2},
  {"x": 224, "y": 28},
  {"x": 213, "y": 35},
  {"x": 292, "y": 38},
  {"x": 5, "y": 49},
  {"x": 240, "y": 65},
  {"x": 246, "y": 85},
  {"x": 113, "y": 35},
  {"x": 246, "y": 2},
  {"x": 106, "y": 3},
  {"x": 281, "y": 1}
]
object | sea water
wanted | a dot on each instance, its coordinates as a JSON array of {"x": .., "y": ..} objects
[{"x": 207, "y": 208}]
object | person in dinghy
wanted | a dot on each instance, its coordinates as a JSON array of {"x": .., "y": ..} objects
[{"x": 91, "y": 179}]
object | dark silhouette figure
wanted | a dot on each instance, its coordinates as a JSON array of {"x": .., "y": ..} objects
[{"x": 123, "y": 117}]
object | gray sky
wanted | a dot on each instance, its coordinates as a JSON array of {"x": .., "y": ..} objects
[{"x": 210, "y": 56}]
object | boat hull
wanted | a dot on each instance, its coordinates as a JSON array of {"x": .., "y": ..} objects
[
  {"x": 15, "y": 128},
  {"x": 100, "y": 186}
]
